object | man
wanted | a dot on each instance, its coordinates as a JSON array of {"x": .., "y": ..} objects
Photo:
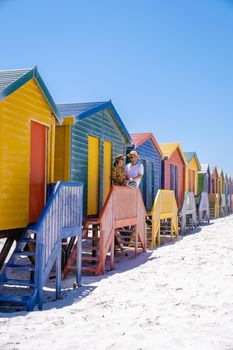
[{"x": 134, "y": 169}]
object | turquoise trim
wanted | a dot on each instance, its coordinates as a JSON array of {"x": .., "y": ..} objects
[
  {"x": 18, "y": 83},
  {"x": 65, "y": 111}
]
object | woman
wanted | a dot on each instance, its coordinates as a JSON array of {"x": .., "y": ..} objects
[{"x": 118, "y": 171}]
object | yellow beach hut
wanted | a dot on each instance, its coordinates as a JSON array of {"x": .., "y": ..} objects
[
  {"x": 191, "y": 173},
  {"x": 28, "y": 116}
]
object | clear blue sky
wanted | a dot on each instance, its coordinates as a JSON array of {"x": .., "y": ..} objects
[{"x": 167, "y": 65}]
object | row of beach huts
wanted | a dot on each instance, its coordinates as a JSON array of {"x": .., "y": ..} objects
[{"x": 59, "y": 212}]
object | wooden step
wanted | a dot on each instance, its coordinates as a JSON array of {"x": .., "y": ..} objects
[
  {"x": 89, "y": 249},
  {"x": 21, "y": 267},
  {"x": 84, "y": 268},
  {"x": 125, "y": 236},
  {"x": 19, "y": 300},
  {"x": 27, "y": 240},
  {"x": 24, "y": 253},
  {"x": 92, "y": 229},
  {"x": 12, "y": 282},
  {"x": 92, "y": 222},
  {"x": 88, "y": 269},
  {"x": 90, "y": 258},
  {"x": 91, "y": 238}
]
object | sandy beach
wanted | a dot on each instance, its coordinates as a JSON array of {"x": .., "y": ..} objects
[{"x": 178, "y": 296}]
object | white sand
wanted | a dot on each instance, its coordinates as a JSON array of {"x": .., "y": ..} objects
[{"x": 179, "y": 296}]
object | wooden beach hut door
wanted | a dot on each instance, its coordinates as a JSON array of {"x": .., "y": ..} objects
[
  {"x": 37, "y": 185},
  {"x": 191, "y": 180},
  {"x": 93, "y": 176},
  {"x": 143, "y": 184},
  {"x": 176, "y": 183},
  {"x": 208, "y": 181},
  {"x": 172, "y": 187},
  {"x": 150, "y": 185},
  {"x": 107, "y": 169}
]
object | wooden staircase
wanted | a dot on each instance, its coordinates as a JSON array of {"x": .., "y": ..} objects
[
  {"x": 18, "y": 287},
  {"x": 223, "y": 205},
  {"x": 125, "y": 238},
  {"x": 121, "y": 222},
  {"x": 90, "y": 255},
  {"x": 163, "y": 219},
  {"x": 214, "y": 205},
  {"x": 203, "y": 208},
  {"x": 188, "y": 213},
  {"x": 149, "y": 229},
  {"x": 23, "y": 277},
  {"x": 212, "y": 212}
]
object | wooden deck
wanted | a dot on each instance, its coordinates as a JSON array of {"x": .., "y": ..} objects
[
  {"x": 164, "y": 216},
  {"x": 124, "y": 207}
]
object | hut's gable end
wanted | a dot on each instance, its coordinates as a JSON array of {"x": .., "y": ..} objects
[
  {"x": 149, "y": 152},
  {"x": 177, "y": 159},
  {"x": 102, "y": 126},
  {"x": 214, "y": 181},
  {"x": 112, "y": 126},
  {"x": 112, "y": 133},
  {"x": 25, "y": 104},
  {"x": 193, "y": 164}
]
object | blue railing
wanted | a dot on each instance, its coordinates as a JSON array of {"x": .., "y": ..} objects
[{"x": 61, "y": 218}]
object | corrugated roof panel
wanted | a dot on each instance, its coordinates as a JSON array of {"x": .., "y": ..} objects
[
  {"x": 204, "y": 168},
  {"x": 139, "y": 138},
  {"x": 77, "y": 109},
  {"x": 83, "y": 110},
  {"x": 213, "y": 168},
  {"x": 189, "y": 156},
  {"x": 11, "y": 80},
  {"x": 7, "y": 77},
  {"x": 168, "y": 148}
]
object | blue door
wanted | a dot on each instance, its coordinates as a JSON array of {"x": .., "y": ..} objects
[
  {"x": 142, "y": 185},
  {"x": 176, "y": 183},
  {"x": 150, "y": 186},
  {"x": 171, "y": 177}
]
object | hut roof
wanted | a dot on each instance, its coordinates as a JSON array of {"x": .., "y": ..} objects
[
  {"x": 220, "y": 172},
  {"x": 81, "y": 111},
  {"x": 213, "y": 168},
  {"x": 189, "y": 156},
  {"x": 139, "y": 138},
  {"x": 204, "y": 168},
  {"x": 169, "y": 148},
  {"x": 12, "y": 80}
]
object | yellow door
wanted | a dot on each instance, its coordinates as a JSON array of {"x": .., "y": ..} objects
[
  {"x": 93, "y": 176},
  {"x": 107, "y": 169}
]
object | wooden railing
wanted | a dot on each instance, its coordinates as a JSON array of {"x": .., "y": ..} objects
[
  {"x": 61, "y": 218},
  {"x": 123, "y": 207},
  {"x": 223, "y": 205},
  {"x": 188, "y": 208},
  {"x": 165, "y": 207},
  {"x": 228, "y": 203},
  {"x": 203, "y": 206},
  {"x": 214, "y": 202}
]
